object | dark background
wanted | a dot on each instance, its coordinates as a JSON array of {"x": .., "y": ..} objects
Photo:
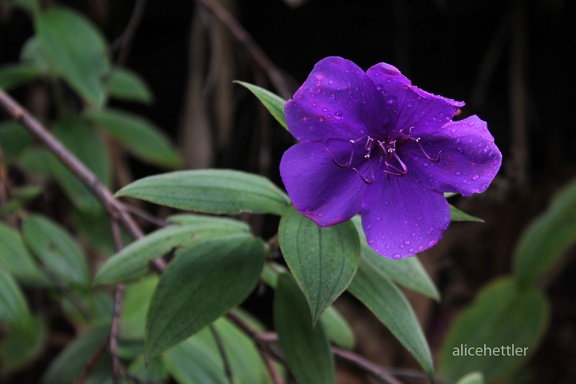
[{"x": 511, "y": 61}]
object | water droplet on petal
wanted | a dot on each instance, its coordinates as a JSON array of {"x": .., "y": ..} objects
[
  {"x": 407, "y": 242},
  {"x": 431, "y": 243},
  {"x": 387, "y": 246},
  {"x": 475, "y": 177},
  {"x": 325, "y": 109},
  {"x": 378, "y": 218},
  {"x": 396, "y": 256},
  {"x": 457, "y": 173},
  {"x": 421, "y": 248},
  {"x": 471, "y": 124}
]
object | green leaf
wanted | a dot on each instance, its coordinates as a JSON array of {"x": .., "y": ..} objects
[
  {"x": 76, "y": 50},
  {"x": 137, "y": 298},
  {"x": 13, "y": 307},
  {"x": 36, "y": 160},
  {"x": 13, "y": 140},
  {"x": 56, "y": 249},
  {"x": 273, "y": 103},
  {"x": 388, "y": 303},
  {"x": 322, "y": 260},
  {"x": 306, "y": 348},
  {"x": 138, "y": 135},
  {"x": 15, "y": 75},
  {"x": 69, "y": 363},
  {"x": 32, "y": 54},
  {"x": 547, "y": 238},
  {"x": 81, "y": 140},
  {"x": 458, "y": 215},
  {"x": 407, "y": 272},
  {"x": 22, "y": 345},
  {"x": 472, "y": 378},
  {"x": 28, "y": 5},
  {"x": 124, "y": 84},
  {"x": 16, "y": 260},
  {"x": 337, "y": 328},
  {"x": 198, "y": 359},
  {"x": 132, "y": 261},
  {"x": 216, "y": 191},
  {"x": 199, "y": 285},
  {"x": 502, "y": 317}
]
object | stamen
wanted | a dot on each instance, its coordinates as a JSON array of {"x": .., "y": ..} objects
[
  {"x": 366, "y": 181},
  {"x": 345, "y": 165},
  {"x": 433, "y": 159}
]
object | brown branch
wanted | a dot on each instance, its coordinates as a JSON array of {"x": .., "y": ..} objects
[
  {"x": 115, "y": 208},
  {"x": 226, "y": 18},
  {"x": 90, "y": 364},
  {"x": 222, "y": 352},
  {"x": 124, "y": 42}
]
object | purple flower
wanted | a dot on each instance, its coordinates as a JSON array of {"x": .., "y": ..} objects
[{"x": 372, "y": 143}]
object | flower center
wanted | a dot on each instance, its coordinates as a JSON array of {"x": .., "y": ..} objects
[{"x": 382, "y": 153}]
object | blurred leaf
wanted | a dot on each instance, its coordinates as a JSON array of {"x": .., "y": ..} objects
[
  {"x": 306, "y": 348},
  {"x": 137, "y": 298},
  {"x": 273, "y": 103},
  {"x": 216, "y": 191},
  {"x": 388, "y": 303},
  {"x": 13, "y": 140},
  {"x": 472, "y": 378},
  {"x": 32, "y": 54},
  {"x": 15, "y": 75},
  {"x": 138, "y": 135},
  {"x": 337, "y": 328},
  {"x": 81, "y": 140},
  {"x": 28, "y": 5},
  {"x": 199, "y": 285},
  {"x": 16, "y": 260},
  {"x": 56, "y": 249},
  {"x": 76, "y": 50},
  {"x": 154, "y": 371},
  {"x": 69, "y": 363},
  {"x": 547, "y": 238},
  {"x": 36, "y": 160},
  {"x": 322, "y": 260},
  {"x": 22, "y": 345},
  {"x": 132, "y": 261},
  {"x": 502, "y": 316},
  {"x": 407, "y": 272},
  {"x": 13, "y": 307},
  {"x": 458, "y": 215},
  {"x": 124, "y": 84}
]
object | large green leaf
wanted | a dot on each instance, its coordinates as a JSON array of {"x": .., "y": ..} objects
[
  {"x": 15, "y": 258},
  {"x": 388, "y": 303},
  {"x": 137, "y": 298},
  {"x": 503, "y": 318},
  {"x": 335, "y": 326},
  {"x": 138, "y": 135},
  {"x": 56, "y": 249},
  {"x": 306, "y": 348},
  {"x": 547, "y": 238},
  {"x": 80, "y": 139},
  {"x": 322, "y": 260},
  {"x": 407, "y": 272},
  {"x": 124, "y": 84},
  {"x": 13, "y": 307},
  {"x": 273, "y": 103},
  {"x": 216, "y": 191},
  {"x": 132, "y": 261},
  {"x": 76, "y": 51},
  {"x": 199, "y": 285}
]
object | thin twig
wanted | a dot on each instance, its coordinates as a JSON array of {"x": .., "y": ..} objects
[
  {"x": 90, "y": 364},
  {"x": 365, "y": 365},
  {"x": 222, "y": 352},
  {"x": 124, "y": 42},
  {"x": 226, "y": 18}
]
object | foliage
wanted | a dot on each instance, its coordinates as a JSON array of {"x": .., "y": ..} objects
[{"x": 187, "y": 324}]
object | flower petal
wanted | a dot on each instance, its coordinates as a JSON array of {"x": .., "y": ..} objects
[
  {"x": 411, "y": 109},
  {"x": 401, "y": 218},
  {"x": 336, "y": 101},
  {"x": 469, "y": 158},
  {"x": 319, "y": 189}
]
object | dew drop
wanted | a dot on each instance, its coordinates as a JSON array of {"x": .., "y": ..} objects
[
  {"x": 457, "y": 173},
  {"x": 396, "y": 256},
  {"x": 387, "y": 246},
  {"x": 314, "y": 104},
  {"x": 331, "y": 82},
  {"x": 325, "y": 109},
  {"x": 421, "y": 248},
  {"x": 407, "y": 242},
  {"x": 338, "y": 115},
  {"x": 409, "y": 105},
  {"x": 431, "y": 243},
  {"x": 416, "y": 158},
  {"x": 378, "y": 218},
  {"x": 475, "y": 177},
  {"x": 471, "y": 124},
  {"x": 401, "y": 246}
]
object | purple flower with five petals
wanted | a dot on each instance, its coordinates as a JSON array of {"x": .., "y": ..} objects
[{"x": 372, "y": 143}]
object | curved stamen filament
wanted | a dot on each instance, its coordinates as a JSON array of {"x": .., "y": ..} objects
[
  {"x": 434, "y": 159},
  {"x": 347, "y": 164}
]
